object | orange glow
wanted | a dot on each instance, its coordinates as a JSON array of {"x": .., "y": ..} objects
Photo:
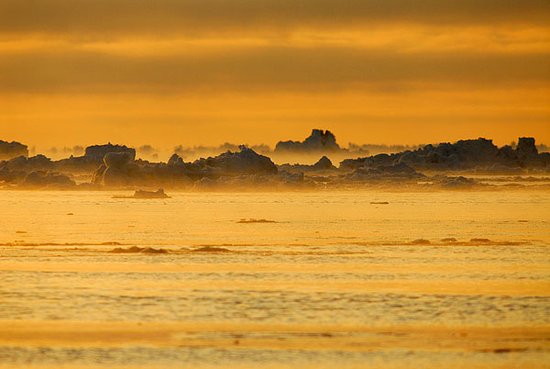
[{"x": 189, "y": 73}]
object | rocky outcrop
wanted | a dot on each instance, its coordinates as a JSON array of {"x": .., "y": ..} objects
[
  {"x": 319, "y": 141},
  {"x": 10, "y": 150},
  {"x": 245, "y": 168},
  {"x": 15, "y": 170},
  {"x": 399, "y": 171},
  {"x": 96, "y": 153},
  {"x": 526, "y": 147},
  {"x": 322, "y": 164},
  {"x": 119, "y": 169},
  {"x": 45, "y": 179},
  {"x": 245, "y": 161},
  {"x": 464, "y": 154},
  {"x": 480, "y": 154},
  {"x": 175, "y": 161},
  {"x": 370, "y": 161},
  {"x": 22, "y": 163}
]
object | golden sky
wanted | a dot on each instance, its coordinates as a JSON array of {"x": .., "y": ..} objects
[{"x": 169, "y": 72}]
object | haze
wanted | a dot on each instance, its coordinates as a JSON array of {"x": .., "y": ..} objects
[{"x": 275, "y": 184}]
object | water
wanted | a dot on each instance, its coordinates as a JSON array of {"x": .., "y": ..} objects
[{"x": 330, "y": 280}]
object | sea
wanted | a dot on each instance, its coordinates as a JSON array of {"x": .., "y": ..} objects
[{"x": 320, "y": 279}]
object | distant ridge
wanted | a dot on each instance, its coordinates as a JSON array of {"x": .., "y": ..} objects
[{"x": 115, "y": 165}]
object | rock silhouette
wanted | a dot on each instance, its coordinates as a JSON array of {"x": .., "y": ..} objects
[
  {"x": 245, "y": 161},
  {"x": 10, "y": 150},
  {"x": 447, "y": 164},
  {"x": 480, "y": 154},
  {"x": 318, "y": 141},
  {"x": 44, "y": 179},
  {"x": 98, "y": 152},
  {"x": 321, "y": 165},
  {"x": 395, "y": 171}
]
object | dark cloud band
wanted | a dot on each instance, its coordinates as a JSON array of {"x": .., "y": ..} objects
[
  {"x": 262, "y": 68},
  {"x": 160, "y": 17}
]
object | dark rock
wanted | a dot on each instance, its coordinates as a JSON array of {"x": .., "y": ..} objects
[
  {"x": 44, "y": 179},
  {"x": 318, "y": 141},
  {"x": 10, "y": 150},
  {"x": 38, "y": 162},
  {"x": 118, "y": 169},
  {"x": 526, "y": 147},
  {"x": 246, "y": 161},
  {"x": 96, "y": 153},
  {"x": 506, "y": 154},
  {"x": 385, "y": 172},
  {"x": 117, "y": 159},
  {"x": 323, "y": 164},
  {"x": 480, "y": 154},
  {"x": 353, "y": 163},
  {"x": 175, "y": 160}
]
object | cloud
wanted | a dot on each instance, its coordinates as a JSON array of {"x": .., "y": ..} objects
[
  {"x": 261, "y": 68},
  {"x": 181, "y": 46},
  {"x": 109, "y": 18},
  {"x": 104, "y": 68}
]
